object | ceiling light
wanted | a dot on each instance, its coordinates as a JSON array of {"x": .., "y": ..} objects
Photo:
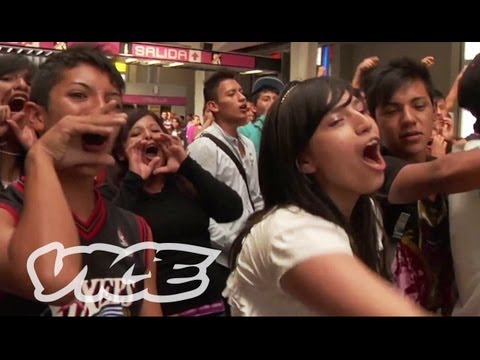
[
  {"x": 249, "y": 72},
  {"x": 174, "y": 64}
]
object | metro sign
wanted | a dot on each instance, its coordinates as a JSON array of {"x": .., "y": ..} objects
[
  {"x": 177, "y": 54},
  {"x": 165, "y": 53}
]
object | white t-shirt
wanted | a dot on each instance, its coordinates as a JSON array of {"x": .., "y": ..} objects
[
  {"x": 284, "y": 239},
  {"x": 464, "y": 212}
]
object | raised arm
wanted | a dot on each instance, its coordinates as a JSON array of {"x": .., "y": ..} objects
[
  {"x": 451, "y": 98},
  {"x": 57, "y": 149},
  {"x": 452, "y": 173},
  {"x": 365, "y": 65}
]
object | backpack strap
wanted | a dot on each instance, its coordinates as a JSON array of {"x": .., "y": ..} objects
[{"x": 234, "y": 158}]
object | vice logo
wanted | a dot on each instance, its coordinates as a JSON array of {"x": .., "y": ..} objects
[{"x": 128, "y": 278}]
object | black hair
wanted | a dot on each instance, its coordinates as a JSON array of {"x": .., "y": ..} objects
[
  {"x": 51, "y": 71},
  {"x": 289, "y": 125},
  {"x": 13, "y": 63},
  {"x": 391, "y": 77},
  {"x": 210, "y": 87},
  {"x": 438, "y": 95}
]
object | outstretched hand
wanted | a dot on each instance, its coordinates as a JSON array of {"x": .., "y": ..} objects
[
  {"x": 428, "y": 61},
  {"x": 368, "y": 63}
]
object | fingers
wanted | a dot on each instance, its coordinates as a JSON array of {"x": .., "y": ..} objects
[
  {"x": 15, "y": 128},
  {"x": 370, "y": 62},
  {"x": 428, "y": 60},
  {"x": 29, "y": 136},
  {"x": 153, "y": 164},
  {"x": 78, "y": 125},
  {"x": 161, "y": 170},
  {"x": 6, "y": 95},
  {"x": 81, "y": 129},
  {"x": 165, "y": 148},
  {"x": 168, "y": 139},
  {"x": 373, "y": 61},
  {"x": 138, "y": 144},
  {"x": 135, "y": 150},
  {"x": 13, "y": 123},
  {"x": 5, "y": 112},
  {"x": 111, "y": 106},
  {"x": 114, "y": 119}
]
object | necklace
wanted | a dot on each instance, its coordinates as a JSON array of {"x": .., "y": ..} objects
[{"x": 10, "y": 153}]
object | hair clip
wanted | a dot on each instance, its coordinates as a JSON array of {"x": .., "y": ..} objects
[{"x": 288, "y": 92}]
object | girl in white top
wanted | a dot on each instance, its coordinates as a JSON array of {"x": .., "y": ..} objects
[{"x": 313, "y": 249}]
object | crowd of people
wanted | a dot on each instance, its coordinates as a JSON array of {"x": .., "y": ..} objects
[{"x": 325, "y": 196}]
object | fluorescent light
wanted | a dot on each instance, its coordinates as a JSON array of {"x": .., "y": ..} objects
[
  {"x": 319, "y": 56},
  {"x": 471, "y": 49},
  {"x": 130, "y": 60},
  {"x": 174, "y": 64},
  {"x": 121, "y": 66},
  {"x": 49, "y": 53},
  {"x": 154, "y": 62},
  {"x": 9, "y": 50},
  {"x": 29, "y": 51},
  {"x": 40, "y": 52},
  {"x": 19, "y": 51},
  {"x": 251, "y": 72}
]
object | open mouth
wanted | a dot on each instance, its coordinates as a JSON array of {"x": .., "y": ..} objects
[
  {"x": 93, "y": 139},
  {"x": 151, "y": 151},
  {"x": 93, "y": 142},
  {"x": 17, "y": 104},
  {"x": 371, "y": 153}
]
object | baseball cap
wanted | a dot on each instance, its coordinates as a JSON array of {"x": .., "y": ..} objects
[
  {"x": 469, "y": 87},
  {"x": 267, "y": 82}
]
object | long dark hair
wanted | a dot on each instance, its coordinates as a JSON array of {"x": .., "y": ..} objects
[
  {"x": 121, "y": 159},
  {"x": 289, "y": 125}
]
